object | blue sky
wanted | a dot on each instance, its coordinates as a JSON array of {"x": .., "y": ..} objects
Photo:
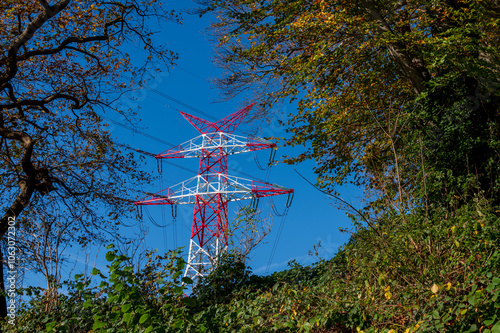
[{"x": 313, "y": 217}]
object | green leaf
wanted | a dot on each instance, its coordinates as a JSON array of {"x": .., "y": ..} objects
[
  {"x": 496, "y": 328},
  {"x": 87, "y": 303},
  {"x": 50, "y": 326},
  {"x": 178, "y": 323},
  {"x": 95, "y": 271},
  {"x": 189, "y": 301},
  {"x": 472, "y": 300},
  {"x": 149, "y": 329},
  {"x": 126, "y": 307},
  {"x": 97, "y": 325},
  {"x": 126, "y": 317},
  {"x": 110, "y": 246},
  {"x": 143, "y": 318},
  {"x": 435, "y": 315},
  {"x": 110, "y": 256},
  {"x": 489, "y": 321},
  {"x": 187, "y": 280}
]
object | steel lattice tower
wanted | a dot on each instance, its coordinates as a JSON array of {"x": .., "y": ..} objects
[{"x": 212, "y": 189}]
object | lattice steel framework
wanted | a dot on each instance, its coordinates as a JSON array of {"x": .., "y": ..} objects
[{"x": 212, "y": 189}]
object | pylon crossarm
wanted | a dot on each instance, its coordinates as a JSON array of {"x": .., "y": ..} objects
[
  {"x": 232, "y": 144},
  {"x": 227, "y": 124},
  {"x": 176, "y": 194},
  {"x": 233, "y": 188},
  {"x": 262, "y": 189},
  {"x": 255, "y": 143},
  {"x": 159, "y": 198}
]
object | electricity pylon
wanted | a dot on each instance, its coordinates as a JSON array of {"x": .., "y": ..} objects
[{"x": 212, "y": 189}]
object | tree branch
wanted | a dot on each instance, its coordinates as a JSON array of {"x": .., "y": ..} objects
[
  {"x": 345, "y": 202},
  {"x": 412, "y": 66},
  {"x": 25, "y": 36}
]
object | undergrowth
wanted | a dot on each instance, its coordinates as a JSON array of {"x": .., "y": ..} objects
[{"x": 419, "y": 272}]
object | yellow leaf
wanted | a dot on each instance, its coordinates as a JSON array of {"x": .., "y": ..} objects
[
  {"x": 435, "y": 288},
  {"x": 388, "y": 295}
]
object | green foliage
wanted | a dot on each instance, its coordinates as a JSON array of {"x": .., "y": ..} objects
[
  {"x": 230, "y": 275},
  {"x": 412, "y": 273},
  {"x": 457, "y": 125},
  {"x": 151, "y": 300},
  {"x": 376, "y": 82},
  {"x": 432, "y": 271}
]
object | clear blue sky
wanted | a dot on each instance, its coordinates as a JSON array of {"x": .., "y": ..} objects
[{"x": 313, "y": 217}]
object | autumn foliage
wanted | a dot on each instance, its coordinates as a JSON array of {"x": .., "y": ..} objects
[
  {"x": 376, "y": 82},
  {"x": 399, "y": 97},
  {"x": 62, "y": 65}
]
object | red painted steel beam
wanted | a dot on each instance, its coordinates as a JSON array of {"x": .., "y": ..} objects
[
  {"x": 261, "y": 189},
  {"x": 227, "y": 124}
]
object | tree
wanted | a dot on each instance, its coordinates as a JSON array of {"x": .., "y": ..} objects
[
  {"x": 365, "y": 74},
  {"x": 62, "y": 64},
  {"x": 247, "y": 231},
  {"x": 230, "y": 275}
]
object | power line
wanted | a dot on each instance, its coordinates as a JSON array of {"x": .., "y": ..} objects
[
  {"x": 276, "y": 241},
  {"x": 193, "y": 74},
  {"x": 187, "y": 106},
  {"x": 143, "y": 152},
  {"x": 135, "y": 130}
]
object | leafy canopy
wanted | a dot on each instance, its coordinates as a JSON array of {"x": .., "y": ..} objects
[
  {"x": 63, "y": 63},
  {"x": 356, "y": 69}
]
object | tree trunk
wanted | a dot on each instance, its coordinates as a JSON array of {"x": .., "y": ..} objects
[{"x": 3, "y": 299}]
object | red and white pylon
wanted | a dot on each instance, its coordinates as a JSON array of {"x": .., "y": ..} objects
[{"x": 212, "y": 189}]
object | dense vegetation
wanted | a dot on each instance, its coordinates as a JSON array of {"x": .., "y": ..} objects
[
  {"x": 402, "y": 95},
  {"x": 411, "y": 273}
]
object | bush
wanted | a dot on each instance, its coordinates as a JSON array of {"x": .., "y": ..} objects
[{"x": 151, "y": 300}]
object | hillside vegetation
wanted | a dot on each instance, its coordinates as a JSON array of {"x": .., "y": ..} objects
[
  {"x": 411, "y": 273},
  {"x": 401, "y": 96}
]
